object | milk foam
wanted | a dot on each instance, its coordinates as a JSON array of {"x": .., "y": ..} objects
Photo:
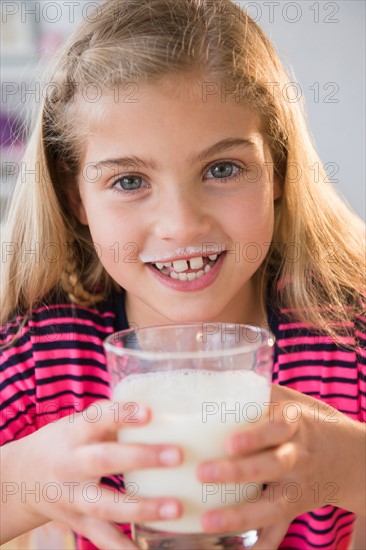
[{"x": 184, "y": 390}]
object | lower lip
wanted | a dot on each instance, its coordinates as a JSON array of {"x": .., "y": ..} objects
[{"x": 190, "y": 286}]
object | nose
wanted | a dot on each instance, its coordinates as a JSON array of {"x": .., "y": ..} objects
[{"x": 182, "y": 216}]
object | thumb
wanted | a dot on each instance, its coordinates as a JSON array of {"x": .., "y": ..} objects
[{"x": 271, "y": 537}]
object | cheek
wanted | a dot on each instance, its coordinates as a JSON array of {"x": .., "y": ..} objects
[
  {"x": 117, "y": 247},
  {"x": 249, "y": 225},
  {"x": 103, "y": 232},
  {"x": 251, "y": 216},
  {"x": 115, "y": 234}
]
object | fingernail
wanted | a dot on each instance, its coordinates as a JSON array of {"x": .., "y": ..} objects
[
  {"x": 209, "y": 471},
  {"x": 169, "y": 456},
  {"x": 141, "y": 412},
  {"x": 169, "y": 510},
  {"x": 238, "y": 443},
  {"x": 214, "y": 520}
]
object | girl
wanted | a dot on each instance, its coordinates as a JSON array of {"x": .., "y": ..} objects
[{"x": 172, "y": 183}]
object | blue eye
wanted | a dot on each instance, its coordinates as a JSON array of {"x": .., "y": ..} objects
[
  {"x": 129, "y": 183},
  {"x": 224, "y": 170}
]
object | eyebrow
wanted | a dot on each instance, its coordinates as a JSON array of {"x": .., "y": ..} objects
[{"x": 224, "y": 145}]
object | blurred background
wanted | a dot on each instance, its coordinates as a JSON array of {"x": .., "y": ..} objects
[{"x": 323, "y": 43}]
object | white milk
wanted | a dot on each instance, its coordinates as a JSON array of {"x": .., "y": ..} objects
[{"x": 197, "y": 410}]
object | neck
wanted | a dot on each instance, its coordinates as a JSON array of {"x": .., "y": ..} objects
[{"x": 247, "y": 308}]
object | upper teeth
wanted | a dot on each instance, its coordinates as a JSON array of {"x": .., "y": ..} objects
[
  {"x": 179, "y": 266},
  {"x": 196, "y": 263}
]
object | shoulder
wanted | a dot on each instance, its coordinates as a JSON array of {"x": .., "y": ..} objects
[
  {"x": 55, "y": 331},
  {"x": 52, "y": 359},
  {"x": 57, "y": 318},
  {"x": 289, "y": 331},
  {"x": 18, "y": 386},
  {"x": 316, "y": 364},
  {"x": 360, "y": 345},
  {"x": 360, "y": 325}
]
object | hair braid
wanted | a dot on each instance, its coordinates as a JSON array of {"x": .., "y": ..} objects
[{"x": 72, "y": 285}]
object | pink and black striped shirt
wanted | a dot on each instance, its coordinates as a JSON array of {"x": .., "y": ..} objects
[{"x": 57, "y": 367}]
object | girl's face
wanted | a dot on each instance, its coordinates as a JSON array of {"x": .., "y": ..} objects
[{"x": 176, "y": 178}]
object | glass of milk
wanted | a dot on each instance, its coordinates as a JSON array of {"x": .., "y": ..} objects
[{"x": 202, "y": 382}]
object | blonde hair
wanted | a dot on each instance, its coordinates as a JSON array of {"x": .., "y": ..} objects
[{"x": 128, "y": 41}]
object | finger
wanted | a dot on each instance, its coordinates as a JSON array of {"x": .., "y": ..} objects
[
  {"x": 282, "y": 393},
  {"x": 270, "y": 465},
  {"x": 268, "y": 432},
  {"x": 271, "y": 537},
  {"x": 262, "y": 513},
  {"x": 129, "y": 507},
  {"x": 102, "y": 419},
  {"x": 102, "y": 459},
  {"x": 102, "y": 534}
]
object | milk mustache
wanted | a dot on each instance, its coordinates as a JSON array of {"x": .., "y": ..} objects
[{"x": 197, "y": 410}]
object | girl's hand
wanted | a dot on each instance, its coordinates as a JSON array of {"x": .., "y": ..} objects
[
  {"x": 303, "y": 450},
  {"x": 67, "y": 459}
]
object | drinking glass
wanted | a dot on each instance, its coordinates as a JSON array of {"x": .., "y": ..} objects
[{"x": 202, "y": 382}]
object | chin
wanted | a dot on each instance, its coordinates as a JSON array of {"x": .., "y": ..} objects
[{"x": 197, "y": 316}]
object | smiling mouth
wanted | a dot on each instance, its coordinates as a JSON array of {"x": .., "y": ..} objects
[{"x": 187, "y": 270}]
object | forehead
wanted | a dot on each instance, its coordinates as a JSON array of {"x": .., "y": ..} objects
[
  {"x": 189, "y": 93},
  {"x": 182, "y": 113}
]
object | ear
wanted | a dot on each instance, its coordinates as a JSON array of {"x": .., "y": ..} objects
[{"x": 76, "y": 204}]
